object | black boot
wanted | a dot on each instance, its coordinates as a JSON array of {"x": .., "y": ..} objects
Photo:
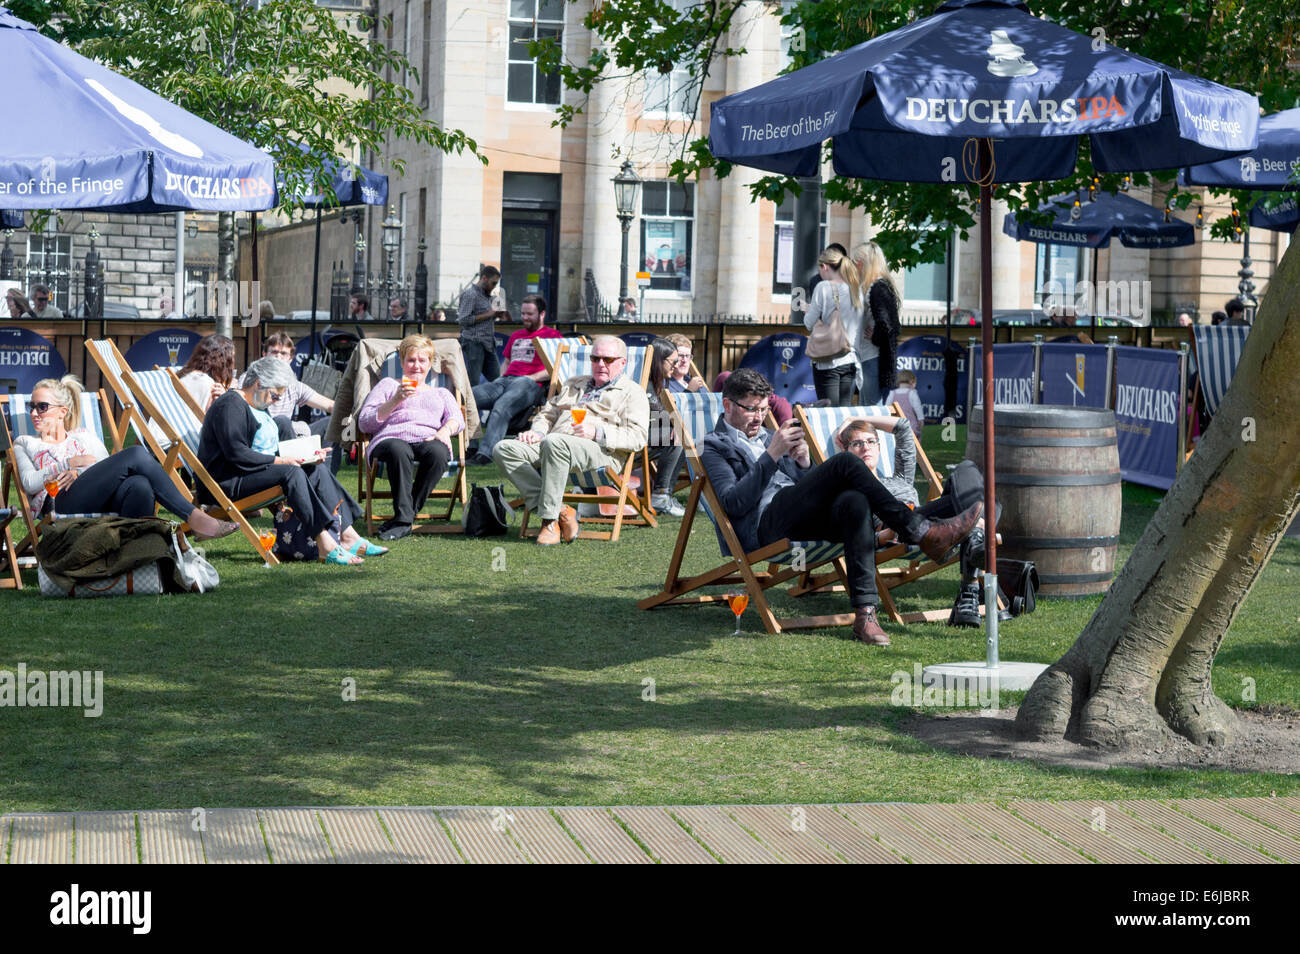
[{"x": 966, "y": 611}]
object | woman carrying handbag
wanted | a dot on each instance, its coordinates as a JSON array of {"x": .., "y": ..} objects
[{"x": 834, "y": 318}]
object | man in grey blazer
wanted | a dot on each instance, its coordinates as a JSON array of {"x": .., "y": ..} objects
[{"x": 767, "y": 486}]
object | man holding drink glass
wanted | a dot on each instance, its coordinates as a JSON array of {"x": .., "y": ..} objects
[{"x": 593, "y": 423}]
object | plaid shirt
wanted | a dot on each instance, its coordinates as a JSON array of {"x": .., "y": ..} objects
[{"x": 475, "y": 301}]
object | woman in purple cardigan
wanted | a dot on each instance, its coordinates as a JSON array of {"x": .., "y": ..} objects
[{"x": 410, "y": 426}]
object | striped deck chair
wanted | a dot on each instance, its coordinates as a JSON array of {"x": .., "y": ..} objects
[
  {"x": 106, "y": 356},
  {"x": 694, "y": 416},
  {"x": 162, "y": 404},
  {"x": 631, "y": 504},
  {"x": 820, "y": 425},
  {"x": 14, "y": 407},
  {"x": 1217, "y": 350},
  {"x": 368, "y": 474},
  {"x": 548, "y": 349}
]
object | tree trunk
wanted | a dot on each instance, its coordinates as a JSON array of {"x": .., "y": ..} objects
[{"x": 1141, "y": 667}]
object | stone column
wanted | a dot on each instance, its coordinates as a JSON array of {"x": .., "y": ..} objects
[{"x": 1007, "y": 286}]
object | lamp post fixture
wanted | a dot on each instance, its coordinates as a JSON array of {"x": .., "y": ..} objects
[
  {"x": 627, "y": 189},
  {"x": 392, "y": 240}
]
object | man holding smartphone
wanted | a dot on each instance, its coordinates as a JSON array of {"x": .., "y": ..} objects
[
  {"x": 767, "y": 486},
  {"x": 477, "y": 316}
]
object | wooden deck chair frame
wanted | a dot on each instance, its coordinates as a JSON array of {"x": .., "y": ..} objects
[
  {"x": 888, "y": 578},
  {"x": 179, "y": 452},
  {"x": 639, "y": 500},
  {"x": 130, "y": 416},
  {"x": 10, "y": 575},
  {"x": 733, "y": 571},
  {"x": 551, "y": 362},
  {"x": 458, "y": 492},
  {"x": 9, "y": 475}
]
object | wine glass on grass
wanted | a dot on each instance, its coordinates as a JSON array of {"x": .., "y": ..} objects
[{"x": 738, "y": 601}]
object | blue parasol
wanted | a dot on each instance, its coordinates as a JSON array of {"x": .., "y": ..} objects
[{"x": 1105, "y": 216}]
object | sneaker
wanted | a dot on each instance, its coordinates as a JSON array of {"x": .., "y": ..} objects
[
  {"x": 478, "y": 460},
  {"x": 666, "y": 503},
  {"x": 966, "y": 611}
]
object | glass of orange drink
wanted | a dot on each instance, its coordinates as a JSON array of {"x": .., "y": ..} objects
[
  {"x": 578, "y": 414},
  {"x": 738, "y": 602},
  {"x": 52, "y": 488}
]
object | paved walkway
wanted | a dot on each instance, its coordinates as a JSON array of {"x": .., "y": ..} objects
[{"x": 1242, "y": 830}]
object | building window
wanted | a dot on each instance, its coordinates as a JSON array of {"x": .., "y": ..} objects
[
  {"x": 667, "y": 232},
  {"x": 671, "y": 94},
  {"x": 1058, "y": 269},
  {"x": 533, "y": 20},
  {"x": 49, "y": 262},
  {"x": 790, "y": 39},
  {"x": 927, "y": 284},
  {"x": 783, "y": 244}
]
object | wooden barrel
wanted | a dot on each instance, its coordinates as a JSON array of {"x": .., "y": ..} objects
[{"x": 1058, "y": 482}]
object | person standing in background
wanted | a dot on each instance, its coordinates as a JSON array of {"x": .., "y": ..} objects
[
  {"x": 477, "y": 316},
  {"x": 880, "y": 325},
  {"x": 839, "y": 291}
]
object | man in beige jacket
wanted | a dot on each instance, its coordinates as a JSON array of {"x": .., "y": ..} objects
[{"x": 616, "y": 424}]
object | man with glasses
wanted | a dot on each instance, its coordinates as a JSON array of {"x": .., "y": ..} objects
[
  {"x": 41, "y": 303},
  {"x": 681, "y": 379},
  {"x": 766, "y": 483},
  {"x": 616, "y": 424}
]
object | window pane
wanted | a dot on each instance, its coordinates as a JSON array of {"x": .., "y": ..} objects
[
  {"x": 667, "y": 244},
  {"x": 928, "y": 282},
  {"x": 548, "y": 88},
  {"x": 656, "y": 93},
  {"x": 683, "y": 98},
  {"x": 550, "y": 10},
  {"x": 520, "y": 89},
  {"x": 522, "y": 9},
  {"x": 553, "y": 32},
  {"x": 680, "y": 199},
  {"x": 654, "y": 198},
  {"x": 519, "y": 37}
]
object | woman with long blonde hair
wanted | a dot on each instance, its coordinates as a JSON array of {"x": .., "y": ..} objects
[
  {"x": 878, "y": 349},
  {"x": 840, "y": 290},
  {"x": 66, "y": 457}
]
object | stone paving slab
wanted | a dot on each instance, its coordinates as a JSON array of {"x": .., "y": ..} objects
[
  {"x": 106, "y": 838},
  {"x": 357, "y": 838},
  {"x": 169, "y": 837},
  {"x": 295, "y": 837},
  {"x": 1195, "y": 830},
  {"x": 418, "y": 836}
]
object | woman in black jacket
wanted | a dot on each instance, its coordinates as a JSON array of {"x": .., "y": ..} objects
[{"x": 881, "y": 325}]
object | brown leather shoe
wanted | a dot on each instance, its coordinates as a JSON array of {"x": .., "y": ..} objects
[
  {"x": 568, "y": 524},
  {"x": 549, "y": 535},
  {"x": 866, "y": 628},
  {"x": 943, "y": 535}
]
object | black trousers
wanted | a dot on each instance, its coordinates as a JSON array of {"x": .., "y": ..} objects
[
  {"x": 836, "y": 501},
  {"x": 413, "y": 471},
  {"x": 287, "y": 433},
  {"x": 127, "y": 483},
  {"x": 836, "y": 384},
  {"x": 311, "y": 490}
]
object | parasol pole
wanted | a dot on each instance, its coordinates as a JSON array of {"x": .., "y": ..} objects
[
  {"x": 985, "y": 176},
  {"x": 315, "y": 281}
]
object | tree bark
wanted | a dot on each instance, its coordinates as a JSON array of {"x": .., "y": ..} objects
[{"x": 1141, "y": 667}]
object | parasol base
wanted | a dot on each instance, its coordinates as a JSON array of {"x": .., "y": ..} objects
[{"x": 971, "y": 676}]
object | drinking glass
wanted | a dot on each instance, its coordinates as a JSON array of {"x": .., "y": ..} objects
[
  {"x": 267, "y": 539},
  {"x": 738, "y": 602},
  {"x": 578, "y": 414},
  {"x": 52, "y": 488}
]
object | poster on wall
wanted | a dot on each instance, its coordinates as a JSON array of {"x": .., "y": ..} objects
[
  {"x": 924, "y": 357},
  {"x": 162, "y": 348},
  {"x": 1074, "y": 375},
  {"x": 785, "y": 254},
  {"x": 667, "y": 253},
  {"x": 1147, "y": 415},
  {"x": 25, "y": 358}
]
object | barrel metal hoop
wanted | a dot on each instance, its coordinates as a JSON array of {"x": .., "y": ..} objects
[
  {"x": 1057, "y": 543},
  {"x": 1047, "y": 579},
  {"x": 1000, "y": 441},
  {"x": 1056, "y": 480}
]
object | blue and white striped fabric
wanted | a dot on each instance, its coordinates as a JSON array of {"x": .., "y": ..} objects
[
  {"x": 699, "y": 411},
  {"x": 576, "y": 363},
  {"x": 108, "y": 355},
  {"x": 158, "y": 387},
  {"x": 20, "y": 419},
  {"x": 549, "y": 348},
  {"x": 392, "y": 368},
  {"x": 825, "y": 421},
  {"x": 1218, "y": 349}
]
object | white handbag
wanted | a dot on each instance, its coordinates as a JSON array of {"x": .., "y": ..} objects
[{"x": 193, "y": 571}]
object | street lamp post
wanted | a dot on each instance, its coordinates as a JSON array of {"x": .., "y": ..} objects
[
  {"x": 392, "y": 239},
  {"x": 627, "y": 188}
]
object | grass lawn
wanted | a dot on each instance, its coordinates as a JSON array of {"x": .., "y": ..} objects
[{"x": 498, "y": 672}]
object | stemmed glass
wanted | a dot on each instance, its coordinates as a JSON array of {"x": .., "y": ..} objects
[
  {"x": 52, "y": 487},
  {"x": 738, "y": 601},
  {"x": 267, "y": 539}
]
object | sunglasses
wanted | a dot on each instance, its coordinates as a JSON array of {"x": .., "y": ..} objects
[
  {"x": 38, "y": 298},
  {"x": 605, "y": 358},
  {"x": 40, "y": 407}
]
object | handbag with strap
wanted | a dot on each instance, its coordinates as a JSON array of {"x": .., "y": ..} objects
[
  {"x": 488, "y": 513},
  {"x": 828, "y": 340},
  {"x": 140, "y": 581},
  {"x": 1018, "y": 581}
]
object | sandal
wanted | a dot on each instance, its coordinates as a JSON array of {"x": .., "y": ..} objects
[
  {"x": 342, "y": 556},
  {"x": 225, "y": 529},
  {"x": 364, "y": 547}
]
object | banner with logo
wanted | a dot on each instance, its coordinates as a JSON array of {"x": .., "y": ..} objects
[
  {"x": 924, "y": 357},
  {"x": 780, "y": 359},
  {"x": 1013, "y": 373},
  {"x": 1146, "y": 415},
  {"x": 1073, "y": 375},
  {"x": 165, "y": 348},
  {"x": 26, "y": 357}
]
